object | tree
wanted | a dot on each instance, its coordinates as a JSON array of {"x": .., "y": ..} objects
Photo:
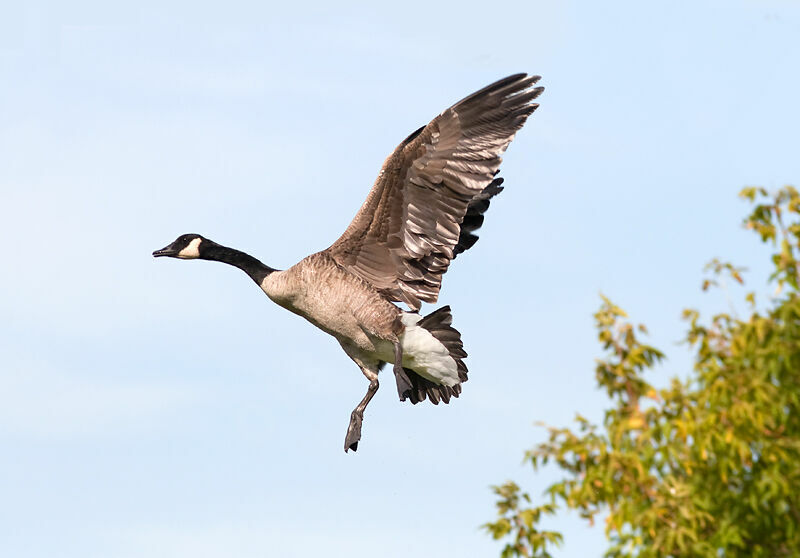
[{"x": 709, "y": 466}]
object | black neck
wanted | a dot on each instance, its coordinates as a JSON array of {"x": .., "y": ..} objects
[{"x": 247, "y": 263}]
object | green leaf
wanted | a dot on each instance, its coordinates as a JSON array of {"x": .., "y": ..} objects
[{"x": 706, "y": 466}]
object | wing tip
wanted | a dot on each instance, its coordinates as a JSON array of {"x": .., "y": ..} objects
[
  {"x": 510, "y": 86},
  {"x": 520, "y": 76}
]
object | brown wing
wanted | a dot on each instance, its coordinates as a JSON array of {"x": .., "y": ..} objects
[{"x": 404, "y": 236}]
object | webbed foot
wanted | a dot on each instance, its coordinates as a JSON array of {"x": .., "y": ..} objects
[{"x": 353, "y": 431}]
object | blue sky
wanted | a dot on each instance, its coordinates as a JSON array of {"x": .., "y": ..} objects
[{"x": 164, "y": 408}]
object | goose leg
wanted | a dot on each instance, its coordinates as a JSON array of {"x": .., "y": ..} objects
[
  {"x": 403, "y": 383},
  {"x": 357, "y": 416}
]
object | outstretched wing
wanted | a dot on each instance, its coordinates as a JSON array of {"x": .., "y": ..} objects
[{"x": 404, "y": 236}]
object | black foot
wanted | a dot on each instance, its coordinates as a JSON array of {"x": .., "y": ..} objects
[
  {"x": 353, "y": 432},
  {"x": 403, "y": 383}
]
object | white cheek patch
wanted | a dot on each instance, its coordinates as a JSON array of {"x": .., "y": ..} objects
[{"x": 191, "y": 251}]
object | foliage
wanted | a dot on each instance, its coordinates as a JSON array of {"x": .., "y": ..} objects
[{"x": 709, "y": 466}]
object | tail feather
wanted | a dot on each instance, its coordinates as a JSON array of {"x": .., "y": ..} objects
[{"x": 438, "y": 323}]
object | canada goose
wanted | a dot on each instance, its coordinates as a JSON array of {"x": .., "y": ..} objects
[{"x": 428, "y": 200}]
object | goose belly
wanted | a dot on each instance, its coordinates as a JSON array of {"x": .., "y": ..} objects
[
  {"x": 335, "y": 301},
  {"x": 349, "y": 309}
]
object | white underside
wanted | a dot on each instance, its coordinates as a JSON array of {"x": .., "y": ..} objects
[{"x": 426, "y": 355}]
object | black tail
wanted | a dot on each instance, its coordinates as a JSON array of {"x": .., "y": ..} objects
[
  {"x": 473, "y": 219},
  {"x": 438, "y": 324}
]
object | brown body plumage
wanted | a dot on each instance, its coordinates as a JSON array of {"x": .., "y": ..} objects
[{"x": 336, "y": 301}]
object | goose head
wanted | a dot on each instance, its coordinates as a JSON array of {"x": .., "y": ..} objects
[
  {"x": 186, "y": 247},
  {"x": 194, "y": 246}
]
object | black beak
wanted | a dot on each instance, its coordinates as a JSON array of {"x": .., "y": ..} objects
[{"x": 166, "y": 251}]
